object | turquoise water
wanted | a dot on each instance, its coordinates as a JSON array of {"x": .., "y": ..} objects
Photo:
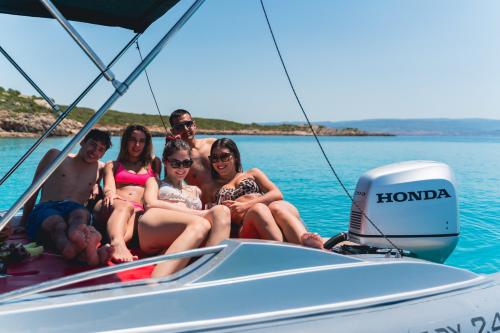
[{"x": 296, "y": 165}]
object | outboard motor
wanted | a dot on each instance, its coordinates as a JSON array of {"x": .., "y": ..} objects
[{"x": 413, "y": 203}]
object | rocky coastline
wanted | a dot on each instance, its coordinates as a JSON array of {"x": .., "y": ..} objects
[{"x": 21, "y": 124}]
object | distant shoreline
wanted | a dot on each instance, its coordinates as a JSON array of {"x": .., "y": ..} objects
[{"x": 159, "y": 133}]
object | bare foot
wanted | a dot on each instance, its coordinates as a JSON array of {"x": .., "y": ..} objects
[
  {"x": 77, "y": 241},
  {"x": 105, "y": 253},
  {"x": 122, "y": 254},
  {"x": 313, "y": 240},
  {"x": 93, "y": 241}
]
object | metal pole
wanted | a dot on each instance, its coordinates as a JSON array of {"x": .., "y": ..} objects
[
  {"x": 63, "y": 115},
  {"x": 49, "y": 100},
  {"x": 79, "y": 40},
  {"x": 95, "y": 118}
]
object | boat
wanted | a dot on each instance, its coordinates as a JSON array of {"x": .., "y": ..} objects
[{"x": 389, "y": 278}]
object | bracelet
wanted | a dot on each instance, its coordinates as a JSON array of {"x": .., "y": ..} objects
[{"x": 105, "y": 192}]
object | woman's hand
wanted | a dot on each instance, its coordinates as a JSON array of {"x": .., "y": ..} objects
[
  {"x": 109, "y": 198},
  {"x": 238, "y": 209}
]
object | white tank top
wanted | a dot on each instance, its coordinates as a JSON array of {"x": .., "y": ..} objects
[{"x": 189, "y": 195}]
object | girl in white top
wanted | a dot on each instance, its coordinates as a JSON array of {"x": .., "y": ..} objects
[{"x": 174, "y": 220}]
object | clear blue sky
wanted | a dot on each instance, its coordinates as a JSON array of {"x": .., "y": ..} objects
[{"x": 349, "y": 60}]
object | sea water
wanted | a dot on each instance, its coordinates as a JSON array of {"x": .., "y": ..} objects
[{"x": 297, "y": 166}]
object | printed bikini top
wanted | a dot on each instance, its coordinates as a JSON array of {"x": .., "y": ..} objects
[
  {"x": 189, "y": 195},
  {"x": 246, "y": 186},
  {"x": 125, "y": 177}
]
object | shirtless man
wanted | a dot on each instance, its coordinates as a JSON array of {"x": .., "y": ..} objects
[
  {"x": 200, "y": 173},
  {"x": 60, "y": 219}
]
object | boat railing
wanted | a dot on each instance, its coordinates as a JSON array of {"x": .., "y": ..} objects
[{"x": 105, "y": 271}]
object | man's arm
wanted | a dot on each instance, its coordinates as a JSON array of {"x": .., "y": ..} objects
[{"x": 42, "y": 165}]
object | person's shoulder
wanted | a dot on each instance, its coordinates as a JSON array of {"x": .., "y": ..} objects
[
  {"x": 50, "y": 155},
  {"x": 53, "y": 152},
  {"x": 254, "y": 171},
  {"x": 207, "y": 141}
]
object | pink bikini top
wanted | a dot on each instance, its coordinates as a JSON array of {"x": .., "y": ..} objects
[{"x": 125, "y": 177}]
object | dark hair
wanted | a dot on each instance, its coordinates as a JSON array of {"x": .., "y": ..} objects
[
  {"x": 176, "y": 115},
  {"x": 231, "y": 146},
  {"x": 174, "y": 145},
  {"x": 146, "y": 155},
  {"x": 98, "y": 135}
]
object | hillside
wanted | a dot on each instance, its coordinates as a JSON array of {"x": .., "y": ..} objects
[{"x": 22, "y": 115}]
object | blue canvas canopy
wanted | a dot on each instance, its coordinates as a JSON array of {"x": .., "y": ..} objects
[{"x": 136, "y": 15}]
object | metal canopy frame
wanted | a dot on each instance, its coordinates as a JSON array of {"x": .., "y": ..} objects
[
  {"x": 49, "y": 100},
  {"x": 120, "y": 90},
  {"x": 70, "y": 108},
  {"x": 80, "y": 41}
]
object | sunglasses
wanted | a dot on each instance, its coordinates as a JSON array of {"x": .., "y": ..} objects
[
  {"x": 224, "y": 157},
  {"x": 180, "y": 126},
  {"x": 176, "y": 164}
]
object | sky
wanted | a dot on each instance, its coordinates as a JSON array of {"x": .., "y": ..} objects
[{"x": 349, "y": 60}]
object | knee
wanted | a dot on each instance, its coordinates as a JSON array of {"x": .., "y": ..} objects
[
  {"x": 221, "y": 210},
  {"x": 80, "y": 214},
  {"x": 259, "y": 209},
  {"x": 222, "y": 213},
  {"x": 200, "y": 228},
  {"x": 54, "y": 223},
  {"x": 276, "y": 209}
]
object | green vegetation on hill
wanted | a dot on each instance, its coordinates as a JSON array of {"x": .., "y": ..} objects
[{"x": 13, "y": 100}]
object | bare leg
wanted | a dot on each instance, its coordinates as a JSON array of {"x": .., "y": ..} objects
[
  {"x": 168, "y": 231},
  {"x": 117, "y": 228},
  {"x": 69, "y": 243},
  {"x": 288, "y": 219},
  {"x": 260, "y": 220},
  {"x": 101, "y": 215},
  {"x": 79, "y": 218},
  {"x": 220, "y": 218}
]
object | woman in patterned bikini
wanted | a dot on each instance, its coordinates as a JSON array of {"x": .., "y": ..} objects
[
  {"x": 256, "y": 203},
  {"x": 124, "y": 181},
  {"x": 174, "y": 220}
]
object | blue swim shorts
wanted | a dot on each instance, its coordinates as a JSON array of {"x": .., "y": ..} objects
[{"x": 46, "y": 209}]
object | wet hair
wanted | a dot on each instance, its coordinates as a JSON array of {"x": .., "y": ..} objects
[
  {"x": 176, "y": 115},
  {"x": 146, "y": 156},
  {"x": 98, "y": 135},
  {"x": 231, "y": 146},
  {"x": 174, "y": 145}
]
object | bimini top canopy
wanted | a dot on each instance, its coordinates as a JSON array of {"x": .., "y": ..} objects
[{"x": 130, "y": 14}]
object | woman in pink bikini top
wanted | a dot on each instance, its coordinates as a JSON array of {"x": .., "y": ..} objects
[{"x": 124, "y": 181}]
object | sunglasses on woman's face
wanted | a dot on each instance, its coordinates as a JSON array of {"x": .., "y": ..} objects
[
  {"x": 176, "y": 164},
  {"x": 180, "y": 126},
  {"x": 224, "y": 157}
]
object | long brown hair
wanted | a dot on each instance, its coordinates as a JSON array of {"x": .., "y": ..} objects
[{"x": 146, "y": 156}]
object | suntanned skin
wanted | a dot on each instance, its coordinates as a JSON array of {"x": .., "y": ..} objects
[
  {"x": 199, "y": 174},
  {"x": 73, "y": 180}
]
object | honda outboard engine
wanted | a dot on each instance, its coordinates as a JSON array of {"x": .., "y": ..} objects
[{"x": 413, "y": 203}]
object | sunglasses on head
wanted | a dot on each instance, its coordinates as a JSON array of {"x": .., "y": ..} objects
[
  {"x": 176, "y": 164},
  {"x": 224, "y": 157},
  {"x": 181, "y": 126}
]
